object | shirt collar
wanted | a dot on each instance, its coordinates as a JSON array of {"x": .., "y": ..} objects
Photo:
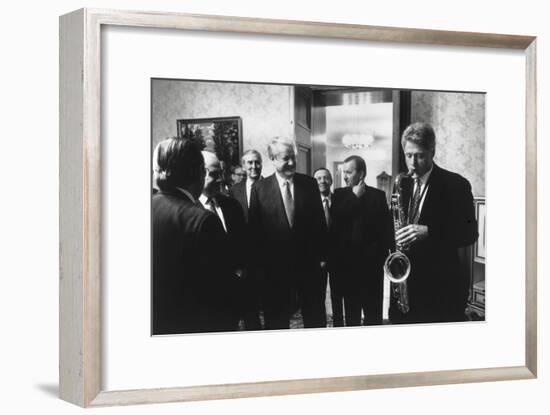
[
  {"x": 282, "y": 180},
  {"x": 424, "y": 178},
  {"x": 204, "y": 199}
]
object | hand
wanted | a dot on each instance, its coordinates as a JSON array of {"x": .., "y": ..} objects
[
  {"x": 411, "y": 234},
  {"x": 359, "y": 189}
]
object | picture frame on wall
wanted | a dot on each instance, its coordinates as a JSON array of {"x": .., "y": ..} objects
[
  {"x": 221, "y": 135},
  {"x": 93, "y": 369},
  {"x": 480, "y": 246}
]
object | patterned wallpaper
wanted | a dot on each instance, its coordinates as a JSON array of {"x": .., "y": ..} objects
[
  {"x": 265, "y": 109},
  {"x": 459, "y": 123}
]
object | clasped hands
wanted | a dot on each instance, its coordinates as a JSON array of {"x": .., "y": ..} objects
[{"x": 410, "y": 234}]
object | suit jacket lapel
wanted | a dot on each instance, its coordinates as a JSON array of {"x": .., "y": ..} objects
[
  {"x": 276, "y": 191},
  {"x": 241, "y": 194},
  {"x": 433, "y": 188},
  {"x": 299, "y": 199},
  {"x": 277, "y": 198}
]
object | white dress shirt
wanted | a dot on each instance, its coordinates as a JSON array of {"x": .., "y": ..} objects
[
  {"x": 329, "y": 198},
  {"x": 248, "y": 186},
  {"x": 282, "y": 182}
]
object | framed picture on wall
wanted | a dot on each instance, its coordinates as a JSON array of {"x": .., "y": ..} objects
[
  {"x": 479, "y": 248},
  {"x": 107, "y": 353},
  {"x": 222, "y": 136}
]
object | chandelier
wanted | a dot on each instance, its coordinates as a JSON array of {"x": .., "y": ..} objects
[{"x": 357, "y": 141}]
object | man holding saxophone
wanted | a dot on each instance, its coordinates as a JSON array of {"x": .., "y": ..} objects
[{"x": 441, "y": 219}]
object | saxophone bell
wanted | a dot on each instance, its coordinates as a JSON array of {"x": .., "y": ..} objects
[{"x": 397, "y": 267}]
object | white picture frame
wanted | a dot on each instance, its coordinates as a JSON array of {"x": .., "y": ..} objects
[{"x": 80, "y": 206}]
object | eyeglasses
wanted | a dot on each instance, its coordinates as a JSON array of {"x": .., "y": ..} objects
[{"x": 214, "y": 174}]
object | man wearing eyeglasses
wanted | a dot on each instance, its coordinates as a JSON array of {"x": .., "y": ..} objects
[
  {"x": 231, "y": 217},
  {"x": 237, "y": 174}
]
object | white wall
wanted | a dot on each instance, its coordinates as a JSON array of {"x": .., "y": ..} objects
[
  {"x": 28, "y": 214},
  {"x": 172, "y": 100},
  {"x": 459, "y": 123}
]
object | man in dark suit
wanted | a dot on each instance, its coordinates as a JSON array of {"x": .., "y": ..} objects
[
  {"x": 441, "y": 213},
  {"x": 231, "y": 215},
  {"x": 252, "y": 164},
  {"x": 191, "y": 279},
  {"x": 324, "y": 181},
  {"x": 249, "y": 286},
  {"x": 360, "y": 237},
  {"x": 289, "y": 227}
]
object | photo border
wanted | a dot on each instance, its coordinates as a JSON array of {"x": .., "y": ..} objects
[{"x": 80, "y": 205}]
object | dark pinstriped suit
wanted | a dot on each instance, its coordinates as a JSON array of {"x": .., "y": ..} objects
[{"x": 289, "y": 257}]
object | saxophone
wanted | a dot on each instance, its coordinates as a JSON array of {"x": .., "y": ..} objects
[{"x": 397, "y": 266}]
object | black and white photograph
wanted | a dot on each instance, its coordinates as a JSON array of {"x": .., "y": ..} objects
[
  {"x": 306, "y": 206},
  {"x": 276, "y": 207}
]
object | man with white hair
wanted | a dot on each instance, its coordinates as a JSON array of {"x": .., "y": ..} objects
[
  {"x": 288, "y": 224},
  {"x": 252, "y": 165},
  {"x": 249, "y": 290}
]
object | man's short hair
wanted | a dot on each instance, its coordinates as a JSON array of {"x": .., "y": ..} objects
[
  {"x": 251, "y": 151},
  {"x": 322, "y": 168},
  {"x": 177, "y": 162},
  {"x": 360, "y": 164},
  {"x": 284, "y": 141},
  {"x": 421, "y": 134},
  {"x": 233, "y": 169}
]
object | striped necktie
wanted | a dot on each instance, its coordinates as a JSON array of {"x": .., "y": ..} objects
[
  {"x": 326, "y": 208},
  {"x": 414, "y": 211},
  {"x": 289, "y": 203}
]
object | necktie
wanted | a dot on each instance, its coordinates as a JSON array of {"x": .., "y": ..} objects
[
  {"x": 327, "y": 211},
  {"x": 289, "y": 203},
  {"x": 415, "y": 202}
]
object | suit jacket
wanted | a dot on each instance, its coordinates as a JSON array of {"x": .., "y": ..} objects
[
  {"x": 278, "y": 246},
  {"x": 238, "y": 192},
  {"x": 191, "y": 278},
  {"x": 438, "y": 291},
  {"x": 360, "y": 235},
  {"x": 236, "y": 229}
]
